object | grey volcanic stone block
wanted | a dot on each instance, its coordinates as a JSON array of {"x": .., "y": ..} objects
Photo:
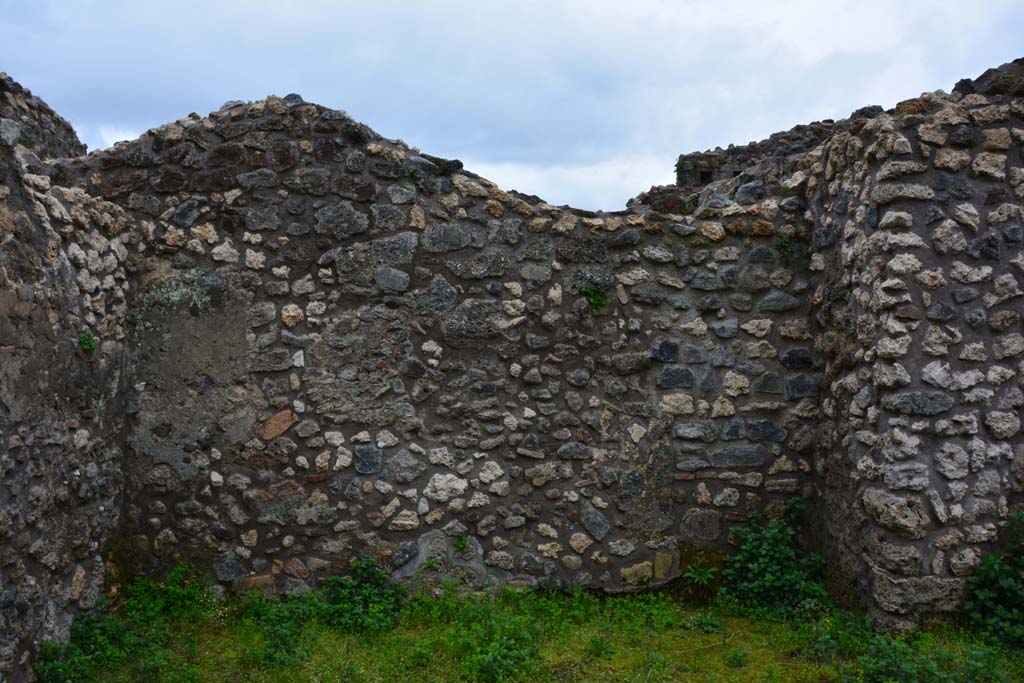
[
  {"x": 367, "y": 458},
  {"x": 700, "y": 525},
  {"x": 738, "y": 456},
  {"x": 918, "y": 402},
  {"x": 594, "y": 521}
]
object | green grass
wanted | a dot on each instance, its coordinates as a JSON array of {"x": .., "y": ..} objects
[
  {"x": 513, "y": 636},
  {"x": 426, "y": 650},
  {"x": 771, "y": 621}
]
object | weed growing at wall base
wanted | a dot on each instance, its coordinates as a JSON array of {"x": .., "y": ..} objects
[
  {"x": 699, "y": 574},
  {"x": 769, "y": 576},
  {"x": 136, "y": 638},
  {"x": 769, "y": 572},
  {"x": 365, "y": 601},
  {"x": 996, "y": 589}
]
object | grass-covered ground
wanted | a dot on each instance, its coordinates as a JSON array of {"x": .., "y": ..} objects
[
  {"x": 613, "y": 646},
  {"x": 366, "y": 630},
  {"x": 770, "y": 620}
]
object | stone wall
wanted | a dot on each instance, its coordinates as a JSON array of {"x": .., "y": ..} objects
[
  {"x": 698, "y": 169},
  {"x": 918, "y": 223},
  {"x": 316, "y": 343},
  {"x": 60, "y": 418},
  {"x": 343, "y": 346}
]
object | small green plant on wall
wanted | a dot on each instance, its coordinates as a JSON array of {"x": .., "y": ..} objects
[
  {"x": 595, "y": 296},
  {"x": 786, "y": 247},
  {"x": 461, "y": 544},
  {"x": 791, "y": 249},
  {"x": 86, "y": 341}
]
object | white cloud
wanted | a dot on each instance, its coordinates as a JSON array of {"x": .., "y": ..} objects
[
  {"x": 110, "y": 135},
  {"x": 604, "y": 185},
  {"x": 580, "y": 101}
]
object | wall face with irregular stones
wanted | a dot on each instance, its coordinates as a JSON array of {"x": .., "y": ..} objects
[
  {"x": 60, "y": 421},
  {"x": 346, "y": 347},
  {"x": 921, "y": 317},
  {"x": 315, "y": 343}
]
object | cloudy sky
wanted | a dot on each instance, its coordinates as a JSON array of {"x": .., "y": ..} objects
[{"x": 580, "y": 102}]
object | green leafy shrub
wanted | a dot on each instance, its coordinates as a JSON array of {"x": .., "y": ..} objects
[
  {"x": 493, "y": 638},
  {"x": 135, "y": 638},
  {"x": 86, "y": 341},
  {"x": 282, "y": 623},
  {"x": 893, "y": 660},
  {"x": 498, "y": 637},
  {"x": 365, "y": 601},
  {"x": 995, "y": 603},
  {"x": 560, "y": 613},
  {"x": 768, "y": 572},
  {"x": 95, "y": 643},
  {"x": 498, "y": 647},
  {"x": 179, "y": 597},
  {"x": 682, "y": 165},
  {"x": 581, "y": 607},
  {"x": 702, "y": 578}
]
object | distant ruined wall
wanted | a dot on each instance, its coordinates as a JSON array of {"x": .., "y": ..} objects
[{"x": 316, "y": 344}]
